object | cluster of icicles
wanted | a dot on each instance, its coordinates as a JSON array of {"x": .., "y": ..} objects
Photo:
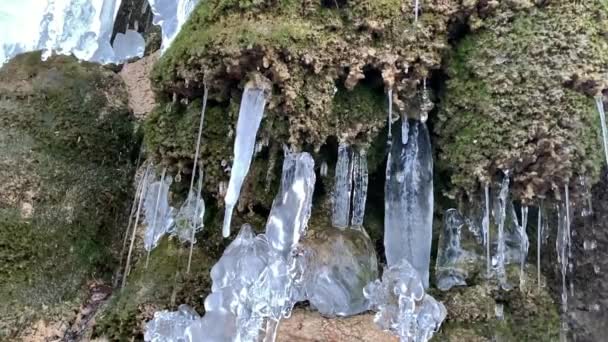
[
  {"x": 259, "y": 279},
  {"x": 84, "y": 28}
]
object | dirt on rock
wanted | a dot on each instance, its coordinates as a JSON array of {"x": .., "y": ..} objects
[{"x": 136, "y": 77}]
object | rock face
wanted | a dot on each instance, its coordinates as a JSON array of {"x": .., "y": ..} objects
[
  {"x": 308, "y": 326},
  {"x": 66, "y": 142},
  {"x": 136, "y": 77},
  {"x": 588, "y": 307},
  {"x": 514, "y": 77}
]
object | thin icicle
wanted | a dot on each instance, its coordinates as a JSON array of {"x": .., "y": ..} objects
[
  {"x": 342, "y": 187},
  {"x": 486, "y": 229},
  {"x": 524, "y": 245},
  {"x": 416, "y": 9},
  {"x": 600, "y": 108},
  {"x": 562, "y": 245},
  {"x": 360, "y": 181},
  {"x": 539, "y": 233},
  {"x": 155, "y": 214},
  {"x": 390, "y": 117},
  {"x": 250, "y": 117},
  {"x": 199, "y": 215}
]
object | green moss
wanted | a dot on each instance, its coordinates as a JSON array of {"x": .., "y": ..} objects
[
  {"x": 518, "y": 99},
  {"x": 66, "y": 138}
]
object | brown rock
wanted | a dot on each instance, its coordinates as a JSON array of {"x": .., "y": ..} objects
[
  {"x": 309, "y": 326},
  {"x": 136, "y": 77}
]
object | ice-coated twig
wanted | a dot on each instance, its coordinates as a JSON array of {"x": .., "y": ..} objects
[
  {"x": 195, "y": 222},
  {"x": 198, "y": 195},
  {"x": 250, "y": 117},
  {"x": 137, "y": 215}
]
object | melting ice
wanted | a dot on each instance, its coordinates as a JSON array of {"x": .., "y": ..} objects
[
  {"x": 408, "y": 214},
  {"x": 159, "y": 215},
  {"x": 350, "y": 188}
]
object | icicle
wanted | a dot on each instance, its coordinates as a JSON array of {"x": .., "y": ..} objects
[
  {"x": 562, "y": 245},
  {"x": 600, "y": 108},
  {"x": 427, "y": 105},
  {"x": 408, "y": 219},
  {"x": 498, "y": 260},
  {"x": 250, "y": 117},
  {"x": 199, "y": 215},
  {"x": 416, "y": 9},
  {"x": 292, "y": 205},
  {"x": 524, "y": 245},
  {"x": 158, "y": 213},
  {"x": 405, "y": 129},
  {"x": 539, "y": 233},
  {"x": 485, "y": 223},
  {"x": 360, "y": 180},
  {"x": 324, "y": 169},
  {"x": 342, "y": 187},
  {"x": 390, "y": 117}
]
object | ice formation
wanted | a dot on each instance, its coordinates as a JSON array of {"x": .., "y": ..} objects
[
  {"x": 250, "y": 117},
  {"x": 455, "y": 261},
  {"x": 342, "y": 187},
  {"x": 255, "y": 280},
  {"x": 562, "y": 244},
  {"x": 408, "y": 214},
  {"x": 402, "y": 305},
  {"x": 360, "y": 183},
  {"x": 599, "y": 101},
  {"x": 128, "y": 45},
  {"x": 337, "y": 265},
  {"x": 159, "y": 215},
  {"x": 523, "y": 244},
  {"x": 83, "y": 28},
  {"x": 170, "y": 15},
  {"x": 485, "y": 224},
  {"x": 170, "y": 326},
  {"x": 189, "y": 218}
]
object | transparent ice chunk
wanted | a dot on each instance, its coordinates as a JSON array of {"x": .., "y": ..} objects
[
  {"x": 360, "y": 182},
  {"x": 402, "y": 306},
  {"x": 128, "y": 45},
  {"x": 170, "y": 326},
  {"x": 338, "y": 264}
]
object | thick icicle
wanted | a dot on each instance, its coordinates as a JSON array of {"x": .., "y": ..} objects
[
  {"x": 360, "y": 182},
  {"x": 416, "y": 9},
  {"x": 250, "y": 117},
  {"x": 600, "y": 108},
  {"x": 254, "y": 280},
  {"x": 170, "y": 15},
  {"x": 292, "y": 205},
  {"x": 408, "y": 215},
  {"x": 343, "y": 182},
  {"x": 402, "y": 306}
]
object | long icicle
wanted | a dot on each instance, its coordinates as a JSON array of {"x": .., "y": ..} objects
[
  {"x": 600, "y": 108},
  {"x": 486, "y": 230},
  {"x": 131, "y": 213},
  {"x": 137, "y": 215},
  {"x": 390, "y": 118},
  {"x": 539, "y": 234},
  {"x": 248, "y": 123},
  {"x": 157, "y": 204},
  {"x": 198, "y": 148}
]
